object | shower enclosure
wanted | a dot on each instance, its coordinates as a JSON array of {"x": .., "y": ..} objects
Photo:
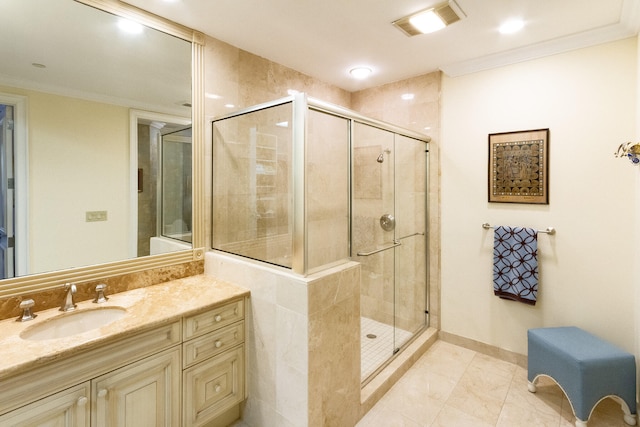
[
  {"x": 306, "y": 185},
  {"x": 175, "y": 212}
]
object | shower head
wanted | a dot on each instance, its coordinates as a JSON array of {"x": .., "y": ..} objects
[{"x": 380, "y": 158}]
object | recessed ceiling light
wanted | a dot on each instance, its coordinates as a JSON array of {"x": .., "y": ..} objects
[
  {"x": 360, "y": 72},
  {"x": 212, "y": 96},
  {"x": 229, "y": 105},
  {"x": 129, "y": 26},
  {"x": 407, "y": 96},
  {"x": 511, "y": 26}
]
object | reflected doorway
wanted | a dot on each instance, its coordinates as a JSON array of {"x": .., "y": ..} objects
[
  {"x": 14, "y": 191},
  {"x": 161, "y": 183},
  {"x": 7, "y": 188}
]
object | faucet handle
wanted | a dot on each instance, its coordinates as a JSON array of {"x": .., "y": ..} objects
[
  {"x": 68, "y": 304},
  {"x": 100, "y": 298},
  {"x": 27, "y": 315}
]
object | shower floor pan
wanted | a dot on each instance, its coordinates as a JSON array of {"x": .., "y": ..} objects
[{"x": 377, "y": 344}]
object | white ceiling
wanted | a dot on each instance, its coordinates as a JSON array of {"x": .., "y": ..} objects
[
  {"x": 326, "y": 38},
  {"x": 84, "y": 54}
]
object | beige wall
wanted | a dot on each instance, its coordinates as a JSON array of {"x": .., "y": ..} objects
[
  {"x": 78, "y": 161},
  {"x": 588, "y": 101}
]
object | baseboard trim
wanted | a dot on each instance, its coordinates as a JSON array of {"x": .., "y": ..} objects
[{"x": 480, "y": 347}]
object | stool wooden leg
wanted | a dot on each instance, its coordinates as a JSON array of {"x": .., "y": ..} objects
[{"x": 630, "y": 419}]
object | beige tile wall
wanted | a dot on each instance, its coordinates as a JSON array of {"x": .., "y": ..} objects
[{"x": 303, "y": 342}]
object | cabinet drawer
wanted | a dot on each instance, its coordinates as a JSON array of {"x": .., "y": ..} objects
[
  {"x": 213, "y": 319},
  {"x": 209, "y": 345},
  {"x": 213, "y": 386}
]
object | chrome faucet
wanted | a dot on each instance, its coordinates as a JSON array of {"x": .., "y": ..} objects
[
  {"x": 100, "y": 297},
  {"x": 68, "y": 304}
]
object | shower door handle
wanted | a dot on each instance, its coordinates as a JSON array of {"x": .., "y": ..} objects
[{"x": 395, "y": 243}]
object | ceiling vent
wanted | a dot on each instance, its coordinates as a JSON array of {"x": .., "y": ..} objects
[{"x": 444, "y": 15}]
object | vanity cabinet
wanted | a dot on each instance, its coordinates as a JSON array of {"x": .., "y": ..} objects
[{"x": 189, "y": 372}]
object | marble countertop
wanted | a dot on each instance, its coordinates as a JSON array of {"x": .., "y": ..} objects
[{"x": 146, "y": 308}]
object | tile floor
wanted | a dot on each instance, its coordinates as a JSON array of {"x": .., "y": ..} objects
[{"x": 452, "y": 386}]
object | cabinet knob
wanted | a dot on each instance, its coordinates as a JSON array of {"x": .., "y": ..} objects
[
  {"x": 102, "y": 392},
  {"x": 82, "y": 401},
  {"x": 218, "y": 318},
  {"x": 217, "y": 388},
  {"x": 218, "y": 344}
]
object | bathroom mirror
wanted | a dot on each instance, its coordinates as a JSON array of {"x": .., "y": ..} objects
[{"x": 72, "y": 75}]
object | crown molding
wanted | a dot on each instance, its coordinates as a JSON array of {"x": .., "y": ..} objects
[{"x": 627, "y": 26}]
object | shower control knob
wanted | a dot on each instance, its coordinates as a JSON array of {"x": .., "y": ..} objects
[{"x": 387, "y": 222}]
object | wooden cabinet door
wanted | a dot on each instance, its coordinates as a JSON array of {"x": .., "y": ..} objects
[
  {"x": 67, "y": 408},
  {"x": 143, "y": 394},
  {"x": 213, "y": 386}
]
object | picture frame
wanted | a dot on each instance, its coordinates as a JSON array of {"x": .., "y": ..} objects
[{"x": 519, "y": 167}]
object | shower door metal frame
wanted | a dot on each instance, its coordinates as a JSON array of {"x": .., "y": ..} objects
[{"x": 301, "y": 104}]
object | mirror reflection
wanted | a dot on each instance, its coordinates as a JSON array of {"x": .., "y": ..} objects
[{"x": 70, "y": 166}]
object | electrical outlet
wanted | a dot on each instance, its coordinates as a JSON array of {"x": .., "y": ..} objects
[{"x": 94, "y": 216}]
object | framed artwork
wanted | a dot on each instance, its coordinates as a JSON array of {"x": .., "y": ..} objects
[{"x": 519, "y": 167}]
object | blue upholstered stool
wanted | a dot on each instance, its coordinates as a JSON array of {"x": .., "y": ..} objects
[{"x": 587, "y": 369}]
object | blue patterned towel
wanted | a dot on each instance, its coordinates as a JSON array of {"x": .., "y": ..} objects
[{"x": 515, "y": 264}]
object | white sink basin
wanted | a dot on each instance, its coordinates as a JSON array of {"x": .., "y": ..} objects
[{"x": 75, "y": 322}]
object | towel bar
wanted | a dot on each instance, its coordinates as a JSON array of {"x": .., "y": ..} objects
[{"x": 549, "y": 230}]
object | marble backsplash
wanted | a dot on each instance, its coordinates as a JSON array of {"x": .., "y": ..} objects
[{"x": 9, "y": 307}]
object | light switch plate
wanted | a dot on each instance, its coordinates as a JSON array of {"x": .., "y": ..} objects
[{"x": 93, "y": 216}]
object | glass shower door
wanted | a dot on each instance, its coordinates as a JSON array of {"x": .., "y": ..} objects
[
  {"x": 374, "y": 241},
  {"x": 388, "y": 239}
]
